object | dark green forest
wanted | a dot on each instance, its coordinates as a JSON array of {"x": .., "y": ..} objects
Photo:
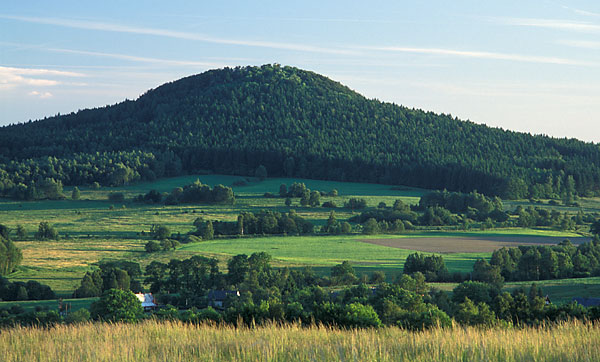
[{"x": 293, "y": 123}]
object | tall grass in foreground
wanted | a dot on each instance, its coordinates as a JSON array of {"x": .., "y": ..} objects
[{"x": 174, "y": 341}]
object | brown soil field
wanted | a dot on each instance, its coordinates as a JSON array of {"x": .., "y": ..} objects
[{"x": 469, "y": 244}]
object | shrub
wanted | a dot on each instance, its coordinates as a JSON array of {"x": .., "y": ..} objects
[
  {"x": 152, "y": 246},
  {"x": 117, "y": 305},
  {"x": 79, "y": 316},
  {"x": 46, "y": 231},
  {"x": 116, "y": 197}
]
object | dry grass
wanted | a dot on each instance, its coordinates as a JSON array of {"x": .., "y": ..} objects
[{"x": 156, "y": 341}]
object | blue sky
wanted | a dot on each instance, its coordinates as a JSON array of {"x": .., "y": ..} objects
[{"x": 530, "y": 66}]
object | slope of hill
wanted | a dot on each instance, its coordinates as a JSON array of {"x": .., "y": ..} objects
[{"x": 296, "y": 123}]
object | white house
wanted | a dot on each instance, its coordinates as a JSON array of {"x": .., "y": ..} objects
[{"x": 147, "y": 300}]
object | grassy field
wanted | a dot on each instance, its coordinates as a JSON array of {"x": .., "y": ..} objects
[
  {"x": 156, "y": 341},
  {"x": 327, "y": 251},
  {"x": 94, "y": 215},
  {"x": 93, "y": 228},
  {"x": 30, "y": 305}
]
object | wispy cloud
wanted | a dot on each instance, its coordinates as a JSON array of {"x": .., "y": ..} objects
[
  {"x": 118, "y": 28},
  {"x": 11, "y": 77},
  {"x": 134, "y": 58},
  {"x": 585, "y": 44},
  {"x": 557, "y": 24},
  {"x": 42, "y": 95},
  {"x": 581, "y": 12},
  {"x": 484, "y": 55},
  {"x": 38, "y": 71}
]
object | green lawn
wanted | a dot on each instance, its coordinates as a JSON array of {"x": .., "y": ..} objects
[
  {"x": 30, "y": 305},
  {"x": 326, "y": 251}
]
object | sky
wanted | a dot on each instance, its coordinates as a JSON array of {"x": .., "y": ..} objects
[{"x": 530, "y": 66}]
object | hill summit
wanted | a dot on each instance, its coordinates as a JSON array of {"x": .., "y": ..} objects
[{"x": 296, "y": 123}]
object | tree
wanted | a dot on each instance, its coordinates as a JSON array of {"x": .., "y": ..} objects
[
  {"x": 343, "y": 273},
  {"x": 305, "y": 198},
  {"x": 288, "y": 166},
  {"x": 261, "y": 172},
  {"x": 238, "y": 268},
  {"x": 160, "y": 232},
  {"x": 76, "y": 194},
  {"x": 355, "y": 204},
  {"x": 10, "y": 255},
  {"x": 346, "y": 227},
  {"x": 91, "y": 285},
  {"x": 152, "y": 246},
  {"x": 288, "y": 201},
  {"x": 595, "y": 228},
  {"x": 204, "y": 228},
  {"x": 359, "y": 315},
  {"x": 46, "y": 231},
  {"x": 117, "y": 305},
  {"x": 21, "y": 233},
  {"x": 484, "y": 272},
  {"x": 332, "y": 226},
  {"x": 377, "y": 277},
  {"x": 370, "y": 227},
  {"x": 314, "y": 199},
  {"x": 478, "y": 292},
  {"x": 283, "y": 190}
]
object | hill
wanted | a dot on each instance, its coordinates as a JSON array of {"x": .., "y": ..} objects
[{"x": 297, "y": 124}]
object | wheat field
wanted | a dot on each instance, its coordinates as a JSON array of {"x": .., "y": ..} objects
[{"x": 174, "y": 341}]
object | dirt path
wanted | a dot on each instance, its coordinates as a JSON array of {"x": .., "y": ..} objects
[{"x": 469, "y": 244}]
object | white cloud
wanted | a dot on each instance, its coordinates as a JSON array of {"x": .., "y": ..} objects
[
  {"x": 581, "y": 12},
  {"x": 42, "y": 95},
  {"x": 38, "y": 71},
  {"x": 142, "y": 59},
  {"x": 484, "y": 55},
  {"x": 585, "y": 44},
  {"x": 11, "y": 77},
  {"x": 118, "y": 28},
  {"x": 552, "y": 24}
]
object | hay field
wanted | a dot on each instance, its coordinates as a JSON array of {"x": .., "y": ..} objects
[{"x": 173, "y": 341}]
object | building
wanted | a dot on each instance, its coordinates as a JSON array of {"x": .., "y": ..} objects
[
  {"x": 216, "y": 298},
  {"x": 147, "y": 300}
]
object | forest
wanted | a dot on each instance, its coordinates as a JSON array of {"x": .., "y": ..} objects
[{"x": 284, "y": 121}]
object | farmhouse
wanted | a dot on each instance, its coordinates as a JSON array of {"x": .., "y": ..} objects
[
  {"x": 147, "y": 300},
  {"x": 216, "y": 298}
]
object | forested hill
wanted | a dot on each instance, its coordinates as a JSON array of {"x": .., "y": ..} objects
[{"x": 295, "y": 123}]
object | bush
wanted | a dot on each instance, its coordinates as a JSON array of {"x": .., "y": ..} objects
[
  {"x": 160, "y": 232},
  {"x": 117, "y": 305},
  {"x": 116, "y": 197},
  {"x": 359, "y": 315},
  {"x": 191, "y": 239},
  {"x": 79, "y": 316},
  {"x": 152, "y": 246},
  {"x": 356, "y": 204},
  {"x": 46, "y": 231}
]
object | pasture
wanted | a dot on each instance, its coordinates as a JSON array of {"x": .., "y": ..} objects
[{"x": 94, "y": 229}]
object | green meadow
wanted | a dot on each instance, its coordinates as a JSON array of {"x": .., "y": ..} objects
[{"x": 94, "y": 229}]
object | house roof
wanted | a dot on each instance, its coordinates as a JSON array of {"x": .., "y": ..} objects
[
  {"x": 222, "y": 294},
  {"x": 147, "y": 299}
]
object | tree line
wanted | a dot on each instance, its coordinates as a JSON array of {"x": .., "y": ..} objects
[{"x": 259, "y": 293}]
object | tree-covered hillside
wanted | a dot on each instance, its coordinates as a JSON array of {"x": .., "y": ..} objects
[{"x": 295, "y": 123}]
